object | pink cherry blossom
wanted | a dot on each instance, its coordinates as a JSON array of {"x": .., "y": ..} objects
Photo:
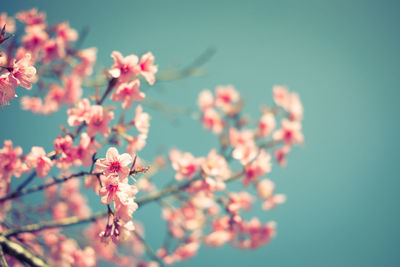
[
  {"x": 38, "y": 159},
  {"x": 290, "y": 133},
  {"x": 265, "y": 188},
  {"x": 7, "y": 86},
  {"x": 259, "y": 167},
  {"x": 136, "y": 143},
  {"x": 87, "y": 147},
  {"x": 80, "y": 113},
  {"x": 114, "y": 163},
  {"x": 296, "y": 107},
  {"x": 225, "y": 97},
  {"x": 53, "y": 49},
  {"x": 73, "y": 89},
  {"x": 273, "y": 201},
  {"x": 98, "y": 120},
  {"x": 88, "y": 59},
  {"x": 124, "y": 68},
  {"x": 34, "y": 39},
  {"x": 128, "y": 92},
  {"x": 31, "y": 17},
  {"x": 141, "y": 120},
  {"x": 54, "y": 99},
  {"x": 215, "y": 165},
  {"x": 65, "y": 33},
  {"x": 281, "y": 155},
  {"x": 115, "y": 190},
  {"x": 10, "y": 162},
  {"x": 239, "y": 201},
  {"x": 185, "y": 164},
  {"x": 245, "y": 153},
  {"x": 266, "y": 125},
  {"x": 147, "y": 68},
  {"x": 205, "y": 100},
  {"x": 281, "y": 96},
  {"x": 212, "y": 121},
  {"x": 22, "y": 71},
  {"x": 33, "y": 104}
]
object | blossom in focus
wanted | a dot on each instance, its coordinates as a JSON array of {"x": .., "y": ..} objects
[
  {"x": 124, "y": 68},
  {"x": 116, "y": 190},
  {"x": 114, "y": 163}
]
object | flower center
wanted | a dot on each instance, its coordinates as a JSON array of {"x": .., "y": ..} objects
[{"x": 115, "y": 166}]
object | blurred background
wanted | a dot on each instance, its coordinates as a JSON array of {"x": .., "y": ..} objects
[{"x": 342, "y": 57}]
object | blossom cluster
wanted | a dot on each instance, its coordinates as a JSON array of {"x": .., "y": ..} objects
[{"x": 197, "y": 203}]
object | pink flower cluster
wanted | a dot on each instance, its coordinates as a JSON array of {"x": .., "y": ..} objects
[
  {"x": 115, "y": 188},
  {"x": 198, "y": 202}
]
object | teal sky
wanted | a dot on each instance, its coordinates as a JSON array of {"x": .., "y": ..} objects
[{"x": 342, "y": 57}]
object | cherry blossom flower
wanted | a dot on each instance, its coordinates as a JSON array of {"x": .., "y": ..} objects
[
  {"x": 32, "y": 17},
  {"x": 212, "y": 121},
  {"x": 205, "y": 100},
  {"x": 290, "y": 133},
  {"x": 266, "y": 125},
  {"x": 80, "y": 113},
  {"x": 226, "y": 97},
  {"x": 22, "y": 71},
  {"x": 7, "y": 86},
  {"x": 98, "y": 120},
  {"x": 185, "y": 164},
  {"x": 215, "y": 165},
  {"x": 136, "y": 143},
  {"x": 73, "y": 89},
  {"x": 33, "y": 104},
  {"x": 38, "y": 159},
  {"x": 53, "y": 49},
  {"x": 128, "y": 92},
  {"x": 141, "y": 120},
  {"x": 281, "y": 155},
  {"x": 124, "y": 68},
  {"x": 259, "y": 167},
  {"x": 10, "y": 162},
  {"x": 87, "y": 147},
  {"x": 115, "y": 190},
  {"x": 88, "y": 59},
  {"x": 114, "y": 163},
  {"x": 33, "y": 40},
  {"x": 147, "y": 68},
  {"x": 65, "y": 33}
]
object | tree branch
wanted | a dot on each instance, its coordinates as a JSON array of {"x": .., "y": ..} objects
[
  {"x": 171, "y": 190},
  {"x": 21, "y": 253}
]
